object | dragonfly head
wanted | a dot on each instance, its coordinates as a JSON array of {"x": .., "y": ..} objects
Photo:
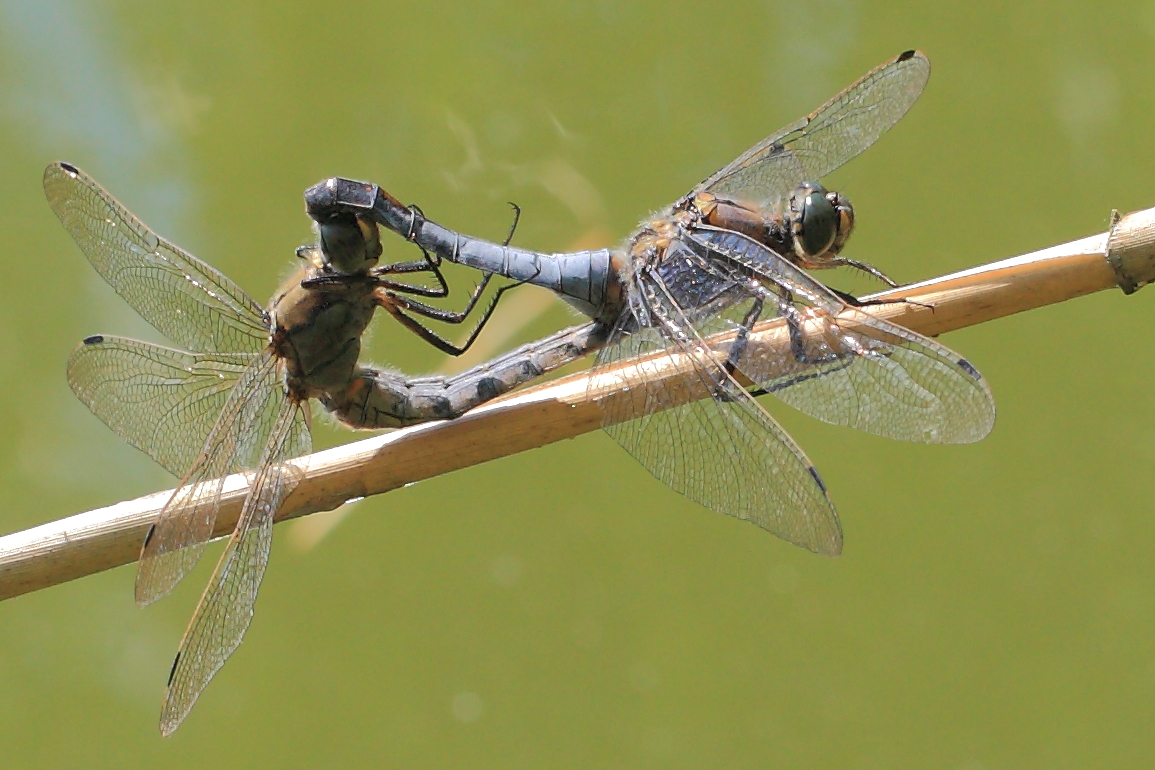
[
  {"x": 348, "y": 244},
  {"x": 820, "y": 221}
]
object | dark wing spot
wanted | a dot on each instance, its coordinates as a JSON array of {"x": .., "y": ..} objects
[
  {"x": 172, "y": 671},
  {"x": 95, "y": 339},
  {"x": 817, "y": 478},
  {"x": 965, "y": 365},
  {"x": 148, "y": 535},
  {"x": 71, "y": 169},
  {"x": 905, "y": 55}
]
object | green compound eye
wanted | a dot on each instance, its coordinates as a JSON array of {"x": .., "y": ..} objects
[{"x": 819, "y": 223}]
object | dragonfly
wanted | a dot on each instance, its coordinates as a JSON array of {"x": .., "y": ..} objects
[
  {"x": 235, "y": 396},
  {"x": 730, "y": 253}
]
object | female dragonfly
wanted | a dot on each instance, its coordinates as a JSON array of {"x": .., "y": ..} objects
[
  {"x": 731, "y": 252},
  {"x": 235, "y": 398}
]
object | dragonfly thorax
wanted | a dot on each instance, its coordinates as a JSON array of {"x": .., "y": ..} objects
[
  {"x": 749, "y": 220},
  {"x": 316, "y": 331},
  {"x": 650, "y": 242}
]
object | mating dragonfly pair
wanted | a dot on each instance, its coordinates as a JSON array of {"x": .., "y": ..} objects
[{"x": 673, "y": 323}]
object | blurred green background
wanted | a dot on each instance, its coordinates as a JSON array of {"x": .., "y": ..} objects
[{"x": 995, "y": 604}]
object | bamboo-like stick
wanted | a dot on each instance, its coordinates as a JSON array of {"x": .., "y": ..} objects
[{"x": 108, "y": 537}]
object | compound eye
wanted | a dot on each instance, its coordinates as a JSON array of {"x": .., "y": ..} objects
[
  {"x": 819, "y": 219},
  {"x": 845, "y": 225}
]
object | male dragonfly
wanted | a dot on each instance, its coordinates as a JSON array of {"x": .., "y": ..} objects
[
  {"x": 726, "y": 255},
  {"x": 236, "y": 397}
]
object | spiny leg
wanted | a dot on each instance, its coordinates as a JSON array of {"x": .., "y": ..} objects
[
  {"x": 866, "y": 268},
  {"x": 428, "y": 335},
  {"x": 854, "y": 301},
  {"x": 738, "y": 348},
  {"x": 428, "y": 264},
  {"x": 513, "y": 224},
  {"x": 432, "y": 264},
  {"x": 396, "y": 304},
  {"x": 441, "y": 314},
  {"x": 793, "y": 320}
]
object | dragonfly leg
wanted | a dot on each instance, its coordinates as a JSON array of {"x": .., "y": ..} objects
[
  {"x": 430, "y": 336},
  {"x": 426, "y": 334},
  {"x": 513, "y": 224},
  {"x": 396, "y": 306},
  {"x": 412, "y": 266},
  {"x": 377, "y": 399},
  {"x": 738, "y": 348},
  {"x": 864, "y": 267},
  {"x": 417, "y": 215},
  {"x": 373, "y": 277},
  {"x": 427, "y": 264},
  {"x": 854, "y": 301},
  {"x": 440, "y": 314},
  {"x": 794, "y": 321},
  {"x": 432, "y": 264}
]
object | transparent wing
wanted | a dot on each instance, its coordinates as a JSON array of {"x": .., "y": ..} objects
[
  {"x": 847, "y": 367},
  {"x": 685, "y": 419},
  {"x": 174, "y": 544},
  {"x": 226, "y": 607},
  {"x": 187, "y": 301},
  {"x": 161, "y": 401},
  {"x": 831, "y": 135}
]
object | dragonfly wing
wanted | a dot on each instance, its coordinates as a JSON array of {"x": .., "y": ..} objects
[
  {"x": 161, "y": 401},
  {"x": 226, "y": 607},
  {"x": 175, "y": 542},
  {"x": 847, "y": 367},
  {"x": 185, "y": 299},
  {"x": 831, "y": 135},
  {"x": 881, "y": 378},
  {"x": 701, "y": 433}
]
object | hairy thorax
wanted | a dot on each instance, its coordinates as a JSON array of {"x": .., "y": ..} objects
[{"x": 317, "y": 332}]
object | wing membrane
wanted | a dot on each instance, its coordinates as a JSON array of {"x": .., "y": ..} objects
[
  {"x": 226, "y": 607},
  {"x": 175, "y": 542},
  {"x": 851, "y": 368},
  {"x": 831, "y": 135},
  {"x": 703, "y": 435},
  {"x": 882, "y": 379},
  {"x": 161, "y": 401},
  {"x": 185, "y": 299}
]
